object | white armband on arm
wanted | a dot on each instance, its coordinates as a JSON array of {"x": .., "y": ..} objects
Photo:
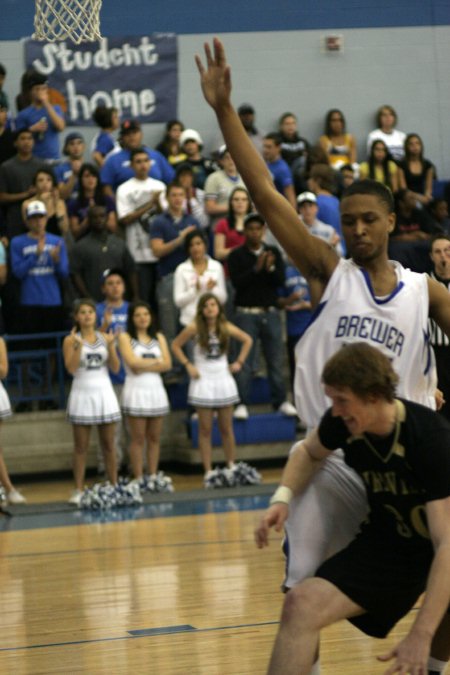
[{"x": 282, "y": 494}]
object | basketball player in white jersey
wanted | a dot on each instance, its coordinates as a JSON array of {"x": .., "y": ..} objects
[{"x": 364, "y": 298}]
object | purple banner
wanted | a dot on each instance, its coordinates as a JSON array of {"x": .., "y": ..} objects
[{"x": 136, "y": 75}]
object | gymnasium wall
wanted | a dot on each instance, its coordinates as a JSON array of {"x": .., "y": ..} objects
[{"x": 396, "y": 53}]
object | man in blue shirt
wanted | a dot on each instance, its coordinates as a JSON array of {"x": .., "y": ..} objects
[
  {"x": 279, "y": 169},
  {"x": 167, "y": 235},
  {"x": 112, "y": 316},
  {"x": 67, "y": 172},
  {"x": 39, "y": 261},
  {"x": 116, "y": 169},
  {"x": 44, "y": 120}
]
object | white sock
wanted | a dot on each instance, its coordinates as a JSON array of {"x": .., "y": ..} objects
[
  {"x": 315, "y": 670},
  {"x": 436, "y": 666}
]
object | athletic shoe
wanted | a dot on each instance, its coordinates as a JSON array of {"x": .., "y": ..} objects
[
  {"x": 213, "y": 479},
  {"x": 14, "y": 497},
  {"x": 287, "y": 409},
  {"x": 75, "y": 498},
  {"x": 241, "y": 412}
]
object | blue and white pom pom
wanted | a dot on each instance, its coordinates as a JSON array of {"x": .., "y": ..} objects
[{"x": 104, "y": 496}]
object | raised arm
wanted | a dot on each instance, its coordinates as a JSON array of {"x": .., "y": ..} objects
[{"x": 311, "y": 255}]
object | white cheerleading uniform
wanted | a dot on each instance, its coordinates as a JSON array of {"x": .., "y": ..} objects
[
  {"x": 5, "y": 405},
  {"x": 216, "y": 386},
  {"x": 143, "y": 393},
  {"x": 92, "y": 399},
  {"x": 326, "y": 517}
]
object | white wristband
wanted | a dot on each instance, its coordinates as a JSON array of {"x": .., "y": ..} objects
[{"x": 282, "y": 494}]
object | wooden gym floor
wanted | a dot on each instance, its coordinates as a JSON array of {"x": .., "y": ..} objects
[{"x": 168, "y": 591}]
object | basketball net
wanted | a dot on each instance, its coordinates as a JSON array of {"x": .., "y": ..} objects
[{"x": 76, "y": 20}]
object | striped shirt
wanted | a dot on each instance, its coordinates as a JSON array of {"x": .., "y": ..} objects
[{"x": 437, "y": 336}]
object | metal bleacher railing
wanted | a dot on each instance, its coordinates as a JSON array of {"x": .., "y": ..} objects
[{"x": 36, "y": 374}]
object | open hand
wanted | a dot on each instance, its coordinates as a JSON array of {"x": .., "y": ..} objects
[
  {"x": 215, "y": 78},
  {"x": 410, "y": 656}
]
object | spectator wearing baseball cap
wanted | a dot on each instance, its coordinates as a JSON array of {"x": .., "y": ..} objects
[
  {"x": 192, "y": 145},
  {"x": 44, "y": 120},
  {"x": 220, "y": 184},
  {"x": 116, "y": 169},
  {"x": 39, "y": 261},
  {"x": 307, "y": 209}
]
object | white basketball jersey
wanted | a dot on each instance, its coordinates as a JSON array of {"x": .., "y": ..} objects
[{"x": 350, "y": 312}]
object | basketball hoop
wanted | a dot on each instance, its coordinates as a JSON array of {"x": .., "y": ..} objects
[{"x": 76, "y": 20}]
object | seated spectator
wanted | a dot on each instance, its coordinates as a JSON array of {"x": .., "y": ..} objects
[
  {"x": 229, "y": 231},
  {"x": 438, "y": 210},
  {"x": 139, "y": 199},
  {"x": 380, "y": 167},
  {"x": 321, "y": 181},
  {"x": 316, "y": 155},
  {"x": 16, "y": 182},
  {"x": 90, "y": 193},
  {"x": 170, "y": 145},
  {"x": 195, "y": 197},
  {"x": 197, "y": 275},
  {"x": 3, "y": 275},
  {"x": 307, "y": 210},
  {"x": 192, "y": 145},
  {"x": 4, "y": 103},
  {"x": 294, "y": 148},
  {"x": 220, "y": 184},
  {"x": 44, "y": 120},
  {"x": 256, "y": 271},
  {"x": 247, "y": 116},
  {"x": 46, "y": 190},
  {"x": 116, "y": 169},
  {"x": 416, "y": 173},
  {"x": 412, "y": 223},
  {"x": 386, "y": 119},
  {"x": 347, "y": 177},
  {"x": 339, "y": 145},
  {"x": 96, "y": 252},
  {"x": 7, "y": 148},
  {"x": 295, "y": 299},
  {"x": 279, "y": 169},
  {"x": 104, "y": 142},
  {"x": 167, "y": 236},
  {"x": 67, "y": 172}
]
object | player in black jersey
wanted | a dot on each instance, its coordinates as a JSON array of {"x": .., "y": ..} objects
[{"x": 401, "y": 450}]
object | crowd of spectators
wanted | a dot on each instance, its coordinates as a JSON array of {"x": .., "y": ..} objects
[{"x": 170, "y": 218}]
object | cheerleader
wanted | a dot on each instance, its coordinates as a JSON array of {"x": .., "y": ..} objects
[
  {"x": 212, "y": 386},
  {"x": 13, "y": 496},
  {"x": 87, "y": 356},
  {"x": 144, "y": 401}
]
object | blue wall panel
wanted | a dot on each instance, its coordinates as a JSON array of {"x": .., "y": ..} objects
[{"x": 139, "y": 17}]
